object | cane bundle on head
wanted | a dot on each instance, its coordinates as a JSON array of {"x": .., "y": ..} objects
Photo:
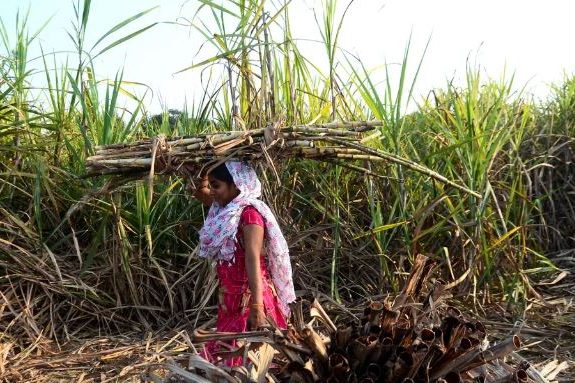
[
  {"x": 337, "y": 142},
  {"x": 180, "y": 153}
]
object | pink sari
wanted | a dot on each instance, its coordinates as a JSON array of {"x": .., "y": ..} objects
[
  {"x": 221, "y": 240},
  {"x": 235, "y": 296},
  {"x": 218, "y": 236}
]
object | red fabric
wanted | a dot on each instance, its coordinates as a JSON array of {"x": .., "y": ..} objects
[
  {"x": 234, "y": 293},
  {"x": 250, "y": 216}
]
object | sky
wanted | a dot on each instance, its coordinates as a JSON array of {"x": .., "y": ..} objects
[{"x": 531, "y": 40}]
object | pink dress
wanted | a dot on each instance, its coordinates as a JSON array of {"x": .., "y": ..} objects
[{"x": 234, "y": 292}]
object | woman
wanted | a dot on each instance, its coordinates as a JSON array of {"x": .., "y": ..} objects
[{"x": 253, "y": 265}]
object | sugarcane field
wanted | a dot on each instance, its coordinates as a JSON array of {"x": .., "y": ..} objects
[{"x": 299, "y": 217}]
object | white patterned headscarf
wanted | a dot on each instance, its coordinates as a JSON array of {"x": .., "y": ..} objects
[{"x": 218, "y": 235}]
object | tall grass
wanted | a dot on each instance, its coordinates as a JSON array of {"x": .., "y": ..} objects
[{"x": 113, "y": 253}]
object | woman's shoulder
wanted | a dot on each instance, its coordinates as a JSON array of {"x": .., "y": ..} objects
[{"x": 251, "y": 216}]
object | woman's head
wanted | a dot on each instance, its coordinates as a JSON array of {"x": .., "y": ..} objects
[{"x": 222, "y": 187}]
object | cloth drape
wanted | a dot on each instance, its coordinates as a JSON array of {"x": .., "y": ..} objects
[{"x": 218, "y": 235}]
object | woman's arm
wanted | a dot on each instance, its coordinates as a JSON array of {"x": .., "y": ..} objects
[
  {"x": 253, "y": 243},
  {"x": 199, "y": 189}
]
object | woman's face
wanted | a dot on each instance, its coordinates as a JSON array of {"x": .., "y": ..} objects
[{"x": 222, "y": 192}]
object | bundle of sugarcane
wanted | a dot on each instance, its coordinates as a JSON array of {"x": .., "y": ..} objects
[
  {"x": 333, "y": 140},
  {"x": 417, "y": 337},
  {"x": 339, "y": 142}
]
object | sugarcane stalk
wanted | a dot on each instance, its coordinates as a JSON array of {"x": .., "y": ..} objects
[
  {"x": 351, "y": 124},
  {"x": 386, "y": 348},
  {"x": 388, "y": 319},
  {"x": 407, "y": 163},
  {"x": 221, "y": 139},
  {"x": 496, "y": 352},
  {"x": 323, "y": 150},
  {"x": 400, "y": 331},
  {"x": 184, "y": 141},
  {"x": 465, "y": 345},
  {"x": 434, "y": 353},
  {"x": 299, "y": 143},
  {"x": 342, "y": 337},
  {"x": 355, "y": 168},
  {"x": 456, "y": 364},
  {"x": 358, "y": 350},
  {"x": 418, "y": 359},
  {"x": 477, "y": 358},
  {"x": 338, "y": 364},
  {"x": 427, "y": 336},
  {"x": 375, "y": 310},
  {"x": 357, "y": 157},
  {"x": 295, "y": 135},
  {"x": 373, "y": 350},
  {"x": 131, "y": 162},
  {"x": 99, "y": 157},
  {"x": 128, "y": 150}
]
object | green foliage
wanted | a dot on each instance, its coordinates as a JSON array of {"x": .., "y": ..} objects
[{"x": 124, "y": 246}]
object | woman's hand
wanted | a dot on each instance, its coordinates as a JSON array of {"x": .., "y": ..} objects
[
  {"x": 200, "y": 189},
  {"x": 257, "y": 317},
  {"x": 194, "y": 185}
]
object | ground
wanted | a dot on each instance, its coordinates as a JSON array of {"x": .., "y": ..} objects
[{"x": 547, "y": 330}]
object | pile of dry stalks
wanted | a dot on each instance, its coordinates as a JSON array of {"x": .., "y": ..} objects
[
  {"x": 415, "y": 338},
  {"x": 33, "y": 348},
  {"x": 336, "y": 142}
]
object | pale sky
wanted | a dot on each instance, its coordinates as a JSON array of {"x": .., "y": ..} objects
[{"x": 531, "y": 39}]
